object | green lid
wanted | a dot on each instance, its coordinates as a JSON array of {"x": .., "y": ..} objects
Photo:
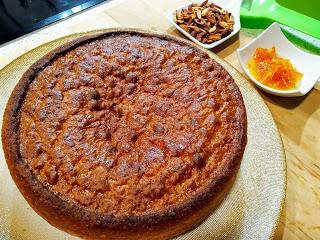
[{"x": 300, "y": 19}]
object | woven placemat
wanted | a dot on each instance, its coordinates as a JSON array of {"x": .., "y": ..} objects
[{"x": 251, "y": 210}]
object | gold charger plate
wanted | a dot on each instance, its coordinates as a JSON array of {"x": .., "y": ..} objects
[{"x": 252, "y": 208}]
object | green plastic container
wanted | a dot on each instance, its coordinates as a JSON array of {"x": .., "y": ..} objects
[{"x": 301, "y": 18}]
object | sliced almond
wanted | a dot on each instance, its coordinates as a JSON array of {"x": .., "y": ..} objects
[
  {"x": 212, "y": 20},
  {"x": 197, "y": 29},
  {"x": 223, "y": 24},
  {"x": 184, "y": 27},
  {"x": 223, "y": 12},
  {"x": 199, "y": 16},
  {"x": 214, "y": 37},
  {"x": 226, "y": 18},
  {"x": 231, "y": 19},
  {"x": 211, "y": 30},
  {"x": 205, "y": 12},
  {"x": 204, "y": 3},
  {"x": 178, "y": 14}
]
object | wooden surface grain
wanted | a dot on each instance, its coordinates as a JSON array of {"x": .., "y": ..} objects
[{"x": 298, "y": 119}]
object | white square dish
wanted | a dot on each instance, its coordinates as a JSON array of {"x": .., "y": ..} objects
[
  {"x": 231, "y": 6},
  {"x": 306, "y": 63}
]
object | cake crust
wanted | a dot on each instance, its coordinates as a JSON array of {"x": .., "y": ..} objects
[{"x": 76, "y": 218}]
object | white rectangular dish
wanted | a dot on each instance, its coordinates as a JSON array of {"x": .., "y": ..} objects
[{"x": 231, "y": 6}]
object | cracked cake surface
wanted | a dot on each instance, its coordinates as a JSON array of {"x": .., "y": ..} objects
[{"x": 126, "y": 125}]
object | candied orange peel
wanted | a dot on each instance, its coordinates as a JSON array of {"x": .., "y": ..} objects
[{"x": 273, "y": 71}]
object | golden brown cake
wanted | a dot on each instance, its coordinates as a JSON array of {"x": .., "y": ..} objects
[{"x": 124, "y": 135}]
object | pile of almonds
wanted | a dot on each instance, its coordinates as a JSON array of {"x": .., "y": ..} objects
[{"x": 207, "y": 22}]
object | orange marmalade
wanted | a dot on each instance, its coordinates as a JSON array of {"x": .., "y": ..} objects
[{"x": 272, "y": 70}]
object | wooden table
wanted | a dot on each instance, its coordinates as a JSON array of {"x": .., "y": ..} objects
[{"x": 298, "y": 119}]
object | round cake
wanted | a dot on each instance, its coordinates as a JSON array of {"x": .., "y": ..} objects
[{"x": 125, "y": 135}]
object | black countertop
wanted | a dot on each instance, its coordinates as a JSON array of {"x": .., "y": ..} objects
[{"x": 19, "y": 17}]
